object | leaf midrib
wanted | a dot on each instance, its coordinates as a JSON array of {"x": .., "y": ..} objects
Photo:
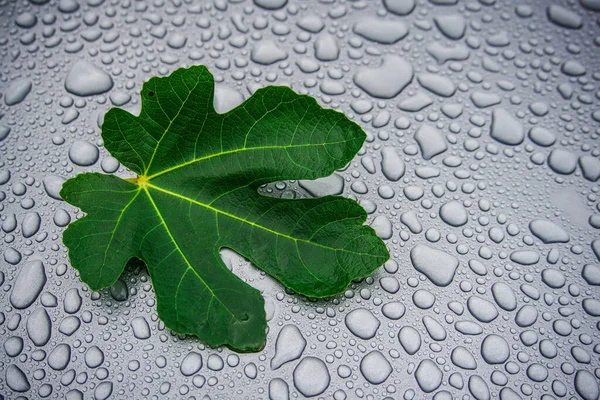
[
  {"x": 189, "y": 266},
  {"x": 149, "y": 185},
  {"x": 239, "y": 150}
]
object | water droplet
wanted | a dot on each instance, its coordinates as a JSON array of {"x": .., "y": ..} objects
[
  {"x": 436, "y": 265},
  {"x": 430, "y": 141},
  {"x": 39, "y": 327},
  {"x": 103, "y": 390},
  {"x": 462, "y": 358},
  {"x": 562, "y": 161},
  {"x": 141, "y": 329},
  {"x": 387, "y": 80},
  {"x": 69, "y": 325},
  {"x": 311, "y": 23},
  {"x": 428, "y": 376},
  {"x": 267, "y": 52},
  {"x": 28, "y": 285},
  {"x": 278, "y": 389},
  {"x": 485, "y": 99},
  {"x": 31, "y": 224},
  {"x": 16, "y": 379},
  {"x": 17, "y": 92},
  {"x": 191, "y": 363},
  {"x": 83, "y": 153},
  {"x": 215, "y": 362},
  {"x": 59, "y": 357},
  {"x": 383, "y": 227},
  {"x": 564, "y": 17},
  {"x": 94, "y": 357},
  {"x": 452, "y": 26},
  {"x": 52, "y": 185},
  {"x": 494, "y": 349},
  {"x": 13, "y": 346},
  {"x": 86, "y": 79},
  {"x": 362, "y": 323},
  {"x": 505, "y": 128},
  {"x": 270, "y": 4},
  {"x": 326, "y": 48},
  {"x": 478, "y": 388},
  {"x": 504, "y": 296},
  {"x": 393, "y": 310},
  {"x": 289, "y": 346},
  {"x": 72, "y": 302},
  {"x": 311, "y": 377},
  {"x": 482, "y": 309},
  {"x": 591, "y": 274},
  {"x": 586, "y": 385},
  {"x": 375, "y": 367},
  {"x": 381, "y": 31}
]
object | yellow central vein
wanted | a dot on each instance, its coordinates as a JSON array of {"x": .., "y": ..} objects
[
  {"x": 242, "y": 149},
  {"x": 253, "y": 224},
  {"x": 180, "y": 251}
]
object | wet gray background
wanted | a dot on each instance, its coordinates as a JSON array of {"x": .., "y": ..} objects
[{"x": 479, "y": 172}]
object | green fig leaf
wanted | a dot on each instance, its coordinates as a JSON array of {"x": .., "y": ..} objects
[{"x": 196, "y": 192}]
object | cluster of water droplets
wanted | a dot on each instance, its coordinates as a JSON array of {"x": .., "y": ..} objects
[{"x": 479, "y": 172}]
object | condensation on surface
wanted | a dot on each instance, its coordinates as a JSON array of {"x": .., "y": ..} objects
[{"x": 479, "y": 171}]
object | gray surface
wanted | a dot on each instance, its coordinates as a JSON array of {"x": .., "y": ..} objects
[{"x": 471, "y": 188}]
